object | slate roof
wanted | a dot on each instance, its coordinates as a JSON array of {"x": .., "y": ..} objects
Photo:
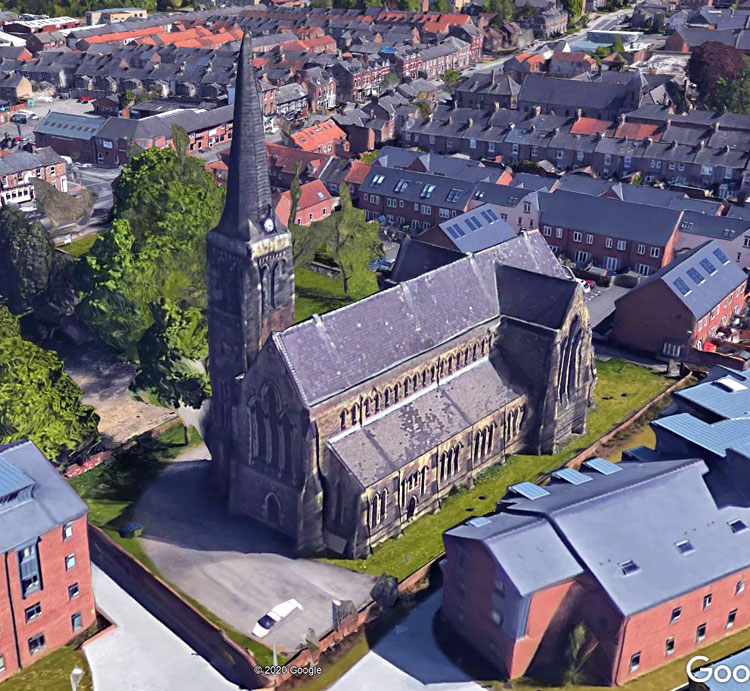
[
  {"x": 608, "y": 217},
  {"x": 340, "y": 349},
  {"x": 716, "y": 437},
  {"x": 416, "y": 257},
  {"x": 715, "y": 398},
  {"x": 570, "y": 93},
  {"x": 719, "y": 227},
  {"x": 53, "y": 500},
  {"x": 477, "y": 229},
  {"x": 423, "y": 421},
  {"x": 70, "y": 126},
  {"x": 23, "y": 160},
  {"x": 638, "y": 515}
]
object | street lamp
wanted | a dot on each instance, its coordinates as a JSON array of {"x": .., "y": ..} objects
[{"x": 75, "y": 678}]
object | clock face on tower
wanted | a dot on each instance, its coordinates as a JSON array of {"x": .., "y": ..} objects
[{"x": 268, "y": 225}]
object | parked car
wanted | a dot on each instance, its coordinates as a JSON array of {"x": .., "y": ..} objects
[
  {"x": 85, "y": 99},
  {"x": 19, "y": 118},
  {"x": 268, "y": 621}
]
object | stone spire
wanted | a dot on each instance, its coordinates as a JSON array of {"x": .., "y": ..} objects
[{"x": 248, "y": 212}]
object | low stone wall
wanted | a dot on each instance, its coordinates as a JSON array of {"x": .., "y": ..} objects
[{"x": 208, "y": 640}]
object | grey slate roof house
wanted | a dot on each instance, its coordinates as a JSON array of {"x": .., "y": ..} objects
[{"x": 339, "y": 430}]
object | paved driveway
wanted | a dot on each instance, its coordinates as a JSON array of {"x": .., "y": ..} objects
[
  {"x": 408, "y": 659},
  {"x": 142, "y": 654},
  {"x": 236, "y": 567}
]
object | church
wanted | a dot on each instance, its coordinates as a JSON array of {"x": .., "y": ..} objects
[{"x": 340, "y": 430}]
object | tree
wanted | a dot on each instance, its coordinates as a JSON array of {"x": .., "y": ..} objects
[
  {"x": 441, "y": 6},
  {"x": 578, "y": 652},
  {"x": 617, "y": 45},
  {"x": 353, "y": 242},
  {"x": 410, "y": 5},
  {"x": 38, "y": 400},
  {"x": 126, "y": 98},
  {"x": 391, "y": 81},
  {"x": 172, "y": 355},
  {"x": 451, "y": 78},
  {"x": 26, "y": 257},
  {"x": 732, "y": 95},
  {"x": 574, "y": 8},
  {"x": 503, "y": 10},
  {"x": 710, "y": 62},
  {"x": 425, "y": 110},
  {"x": 115, "y": 288},
  {"x": 326, "y": 4}
]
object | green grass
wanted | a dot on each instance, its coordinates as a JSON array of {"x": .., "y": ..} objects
[
  {"x": 622, "y": 389},
  {"x": 369, "y": 156},
  {"x": 317, "y": 294},
  {"x": 51, "y": 673},
  {"x": 80, "y": 246},
  {"x": 111, "y": 490}
]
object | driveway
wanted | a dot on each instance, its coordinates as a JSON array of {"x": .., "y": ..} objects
[
  {"x": 142, "y": 654},
  {"x": 408, "y": 659},
  {"x": 236, "y": 567}
]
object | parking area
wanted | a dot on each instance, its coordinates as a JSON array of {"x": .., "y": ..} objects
[
  {"x": 236, "y": 567},
  {"x": 64, "y": 105}
]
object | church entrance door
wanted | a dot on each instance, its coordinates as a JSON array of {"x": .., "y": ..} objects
[
  {"x": 412, "y": 508},
  {"x": 273, "y": 510}
]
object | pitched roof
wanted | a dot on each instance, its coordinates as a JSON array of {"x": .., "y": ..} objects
[
  {"x": 700, "y": 278},
  {"x": 477, "y": 229},
  {"x": 70, "y": 126},
  {"x": 18, "y": 161},
  {"x": 727, "y": 401},
  {"x": 52, "y": 501},
  {"x": 315, "y": 136},
  {"x": 343, "y": 348}
]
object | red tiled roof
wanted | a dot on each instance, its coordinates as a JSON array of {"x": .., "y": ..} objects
[
  {"x": 358, "y": 171},
  {"x": 638, "y": 130},
  {"x": 286, "y": 158},
  {"x": 313, "y": 137},
  {"x": 590, "y": 126},
  {"x": 576, "y": 56}
]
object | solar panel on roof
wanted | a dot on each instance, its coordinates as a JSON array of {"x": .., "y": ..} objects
[
  {"x": 479, "y": 521},
  {"x": 603, "y": 466},
  {"x": 696, "y": 275},
  {"x": 571, "y": 475},
  {"x": 490, "y": 215},
  {"x": 528, "y": 490},
  {"x": 719, "y": 254},
  {"x": 455, "y": 231},
  {"x": 474, "y": 223},
  {"x": 682, "y": 286},
  {"x": 708, "y": 266}
]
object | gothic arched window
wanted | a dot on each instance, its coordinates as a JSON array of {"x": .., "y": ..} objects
[{"x": 277, "y": 283}]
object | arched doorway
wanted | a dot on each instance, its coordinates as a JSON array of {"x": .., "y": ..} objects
[
  {"x": 273, "y": 510},
  {"x": 412, "y": 508}
]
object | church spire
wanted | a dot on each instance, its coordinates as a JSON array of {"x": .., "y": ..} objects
[{"x": 248, "y": 213}]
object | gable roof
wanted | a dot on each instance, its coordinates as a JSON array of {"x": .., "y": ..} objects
[
  {"x": 310, "y": 138},
  {"x": 477, "y": 229},
  {"x": 689, "y": 277},
  {"x": 338, "y": 350}
]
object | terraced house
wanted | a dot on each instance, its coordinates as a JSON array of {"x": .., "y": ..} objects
[{"x": 341, "y": 429}]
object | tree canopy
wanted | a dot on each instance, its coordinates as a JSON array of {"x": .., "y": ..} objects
[
  {"x": 732, "y": 95},
  {"x": 172, "y": 355},
  {"x": 26, "y": 258},
  {"x": 165, "y": 204},
  {"x": 574, "y": 8},
  {"x": 38, "y": 400},
  {"x": 503, "y": 9},
  {"x": 711, "y": 62},
  {"x": 70, "y": 8}
]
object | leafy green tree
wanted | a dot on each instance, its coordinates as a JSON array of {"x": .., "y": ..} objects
[
  {"x": 326, "y": 4},
  {"x": 126, "y": 98},
  {"x": 391, "y": 81},
  {"x": 425, "y": 110},
  {"x": 353, "y": 242},
  {"x": 710, "y": 62},
  {"x": 577, "y": 654},
  {"x": 115, "y": 287},
  {"x": 617, "y": 45},
  {"x": 441, "y": 6},
  {"x": 38, "y": 400},
  {"x": 503, "y": 9},
  {"x": 732, "y": 95},
  {"x": 172, "y": 355},
  {"x": 26, "y": 257},
  {"x": 451, "y": 77},
  {"x": 574, "y": 8},
  {"x": 410, "y": 5}
]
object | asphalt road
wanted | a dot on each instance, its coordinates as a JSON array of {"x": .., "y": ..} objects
[{"x": 236, "y": 567}]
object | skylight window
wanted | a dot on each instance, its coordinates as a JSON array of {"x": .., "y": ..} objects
[
  {"x": 473, "y": 223},
  {"x": 682, "y": 287},
  {"x": 401, "y": 186},
  {"x": 453, "y": 195},
  {"x": 628, "y": 567},
  {"x": 377, "y": 181},
  {"x": 696, "y": 275},
  {"x": 708, "y": 266},
  {"x": 737, "y": 526},
  {"x": 684, "y": 546},
  {"x": 427, "y": 191},
  {"x": 455, "y": 231},
  {"x": 490, "y": 215},
  {"x": 721, "y": 256}
]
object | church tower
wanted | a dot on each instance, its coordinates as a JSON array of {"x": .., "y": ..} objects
[{"x": 250, "y": 273}]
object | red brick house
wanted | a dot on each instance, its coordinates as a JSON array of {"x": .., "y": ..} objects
[
  {"x": 641, "y": 553},
  {"x": 323, "y": 138},
  {"x": 18, "y": 168},
  {"x": 683, "y": 305},
  {"x": 46, "y": 597},
  {"x": 608, "y": 233},
  {"x": 315, "y": 204}
]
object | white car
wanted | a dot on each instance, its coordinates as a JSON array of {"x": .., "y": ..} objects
[{"x": 268, "y": 621}]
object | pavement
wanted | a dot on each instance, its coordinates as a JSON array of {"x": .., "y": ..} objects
[
  {"x": 234, "y": 566},
  {"x": 142, "y": 654},
  {"x": 105, "y": 380},
  {"x": 408, "y": 659}
]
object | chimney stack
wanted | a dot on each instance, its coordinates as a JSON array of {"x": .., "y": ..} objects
[
  {"x": 537, "y": 110},
  {"x": 579, "y": 113}
]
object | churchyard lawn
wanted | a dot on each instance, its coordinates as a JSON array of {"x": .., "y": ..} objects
[{"x": 622, "y": 389}]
